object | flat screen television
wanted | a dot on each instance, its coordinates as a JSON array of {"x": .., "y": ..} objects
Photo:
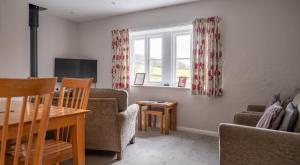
[{"x": 75, "y": 68}]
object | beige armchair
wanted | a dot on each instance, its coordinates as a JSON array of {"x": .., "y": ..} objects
[
  {"x": 110, "y": 125},
  {"x": 242, "y": 143}
]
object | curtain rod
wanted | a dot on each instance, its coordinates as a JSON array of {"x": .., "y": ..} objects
[{"x": 159, "y": 26}]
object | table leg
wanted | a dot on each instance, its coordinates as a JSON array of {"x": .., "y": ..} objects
[
  {"x": 167, "y": 121},
  {"x": 78, "y": 141},
  {"x": 149, "y": 116},
  {"x": 154, "y": 122},
  {"x": 174, "y": 118},
  {"x": 140, "y": 118},
  {"x": 149, "y": 120}
]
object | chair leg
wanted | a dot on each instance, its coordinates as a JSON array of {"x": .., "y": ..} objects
[
  {"x": 132, "y": 141},
  {"x": 145, "y": 120},
  {"x": 161, "y": 124},
  {"x": 120, "y": 155}
]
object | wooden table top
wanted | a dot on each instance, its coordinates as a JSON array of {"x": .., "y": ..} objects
[
  {"x": 54, "y": 112},
  {"x": 156, "y": 103}
]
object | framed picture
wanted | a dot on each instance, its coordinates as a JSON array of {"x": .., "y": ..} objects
[
  {"x": 182, "y": 81},
  {"x": 139, "y": 78}
]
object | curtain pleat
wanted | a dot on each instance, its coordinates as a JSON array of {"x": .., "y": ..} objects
[
  {"x": 120, "y": 59},
  {"x": 207, "y": 57}
]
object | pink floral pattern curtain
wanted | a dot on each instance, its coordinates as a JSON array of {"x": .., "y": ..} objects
[
  {"x": 207, "y": 57},
  {"x": 120, "y": 59}
]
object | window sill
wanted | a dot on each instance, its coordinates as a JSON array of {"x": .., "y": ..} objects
[{"x": 157, "y": 86}]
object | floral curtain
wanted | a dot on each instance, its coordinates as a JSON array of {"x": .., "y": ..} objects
[
  {"x": 207, "y": 57},
  {"x": 120, "y": 59}
]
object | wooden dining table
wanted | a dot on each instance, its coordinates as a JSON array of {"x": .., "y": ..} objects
[{"x": 59, "y": 117}]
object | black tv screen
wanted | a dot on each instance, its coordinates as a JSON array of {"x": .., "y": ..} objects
[{"x": 75, "y": 68}]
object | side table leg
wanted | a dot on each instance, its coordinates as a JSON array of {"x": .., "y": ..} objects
[
  {"x": 140, "y": 118},
  {"x": 174, "y": 118},
  {"x": 167, "y": 121},
  {"x": 149, "y": 117}
]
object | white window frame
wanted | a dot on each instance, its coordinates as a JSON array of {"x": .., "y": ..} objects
[
  {"x": 148, "y": 58},
  {"x": 174, "y": 54},
  {"x": 168, "y": 55}
]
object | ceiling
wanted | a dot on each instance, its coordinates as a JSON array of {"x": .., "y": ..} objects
[{"x": 85, "y": 10}]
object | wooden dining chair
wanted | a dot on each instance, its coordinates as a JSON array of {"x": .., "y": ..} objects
[
  {"x": 23, "y": 130},
  {"x": 74, "y": 93}
]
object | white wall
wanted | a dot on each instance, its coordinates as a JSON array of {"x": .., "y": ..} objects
[
  {"x": 57, "y": 38},
  {"x": 14, "y": 37},
  {"x": 261, "y": 54}
]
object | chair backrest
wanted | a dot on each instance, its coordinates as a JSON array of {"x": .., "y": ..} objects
[
  {"x": 74, "y": 93},
  {"x": 27, "y": 117}
]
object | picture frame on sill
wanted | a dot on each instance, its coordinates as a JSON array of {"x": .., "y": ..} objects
[
  {"x": 139, "y": 78},
  {"x": 182, "y": 81}
]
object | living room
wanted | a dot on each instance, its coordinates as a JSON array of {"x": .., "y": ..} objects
[{"x": 259, "y": 45}]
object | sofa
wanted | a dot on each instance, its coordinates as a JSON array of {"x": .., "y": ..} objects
[
  {"x": 241, "y": 143},
  {"x": 111, "y": 123}
]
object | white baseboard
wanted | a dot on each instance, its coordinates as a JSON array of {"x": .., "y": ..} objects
[
  {"x": 192, "y": 130},
  {"x": 198, "y": 131}
]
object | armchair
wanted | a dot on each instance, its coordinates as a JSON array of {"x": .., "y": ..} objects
[
  {"x": 110, "y": 125},
  {"x": 242, "y": 143}
]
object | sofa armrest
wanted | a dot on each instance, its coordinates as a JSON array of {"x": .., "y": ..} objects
[
  {"x": 247, "y": 118},
  {"x": 256, "y": 108},
  {"x": 127, "y": 124},
  {"x": 240, "y": 145}
]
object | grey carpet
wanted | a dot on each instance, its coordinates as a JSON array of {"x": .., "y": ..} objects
[{"x": 152, "y": 148}]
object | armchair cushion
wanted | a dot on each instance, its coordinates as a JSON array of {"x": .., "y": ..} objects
[
  {"x": 256, "y": 108},
  {"x": 247, "y": 118}
]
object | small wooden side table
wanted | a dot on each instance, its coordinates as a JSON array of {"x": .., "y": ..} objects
[{"x": 169, "y": 107}]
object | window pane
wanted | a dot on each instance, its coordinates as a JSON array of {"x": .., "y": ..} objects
[
  {"x": 139, "y": 56},
  {"x": 183, "y": 68},
  {"x": 155, "y": 70},
  {"x": 139, "y": 47},
  {"x": 155, "y": 48},
  {"x": 183, "y": 46},
  {"x": 139, "y": 65}
]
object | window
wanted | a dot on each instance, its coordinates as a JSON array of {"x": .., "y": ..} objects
[
  {"x": 163, "y": 54},
  {"x": 139, "y": 54},
  {"x": 183, "y": 55},
  {"x": 155, "y": 59}
]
